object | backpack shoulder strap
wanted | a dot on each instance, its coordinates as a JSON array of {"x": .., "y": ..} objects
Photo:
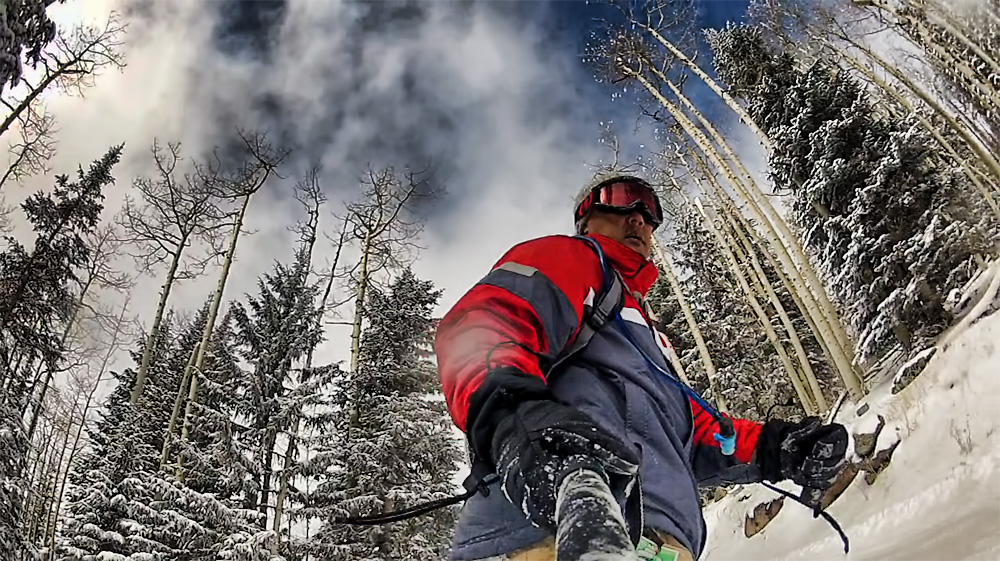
[{"x": 607, "y": 303}]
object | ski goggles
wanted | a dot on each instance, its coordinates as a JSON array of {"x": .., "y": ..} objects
[{"x": 623, "y": 197}]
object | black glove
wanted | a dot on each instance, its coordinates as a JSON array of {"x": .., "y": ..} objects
[
  {"x": 808, "y": 452},
  {"x": 533, "y": 442},
  {"x": 543, "y": 441}
]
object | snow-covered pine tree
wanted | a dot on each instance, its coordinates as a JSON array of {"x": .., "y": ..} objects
[
  {"x": 25, "y": 30},
  {"x": 119, "y": 502},
  {"x": 891, "y": 231},
  {"x": 272, "y": 333},
  {"x": 401, "y": 451},
  {"x": 35, "y": 298},
  {"x": 94, "y": 510}
]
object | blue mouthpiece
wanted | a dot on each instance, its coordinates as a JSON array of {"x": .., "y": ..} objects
[{"x": 727, "y": 443}]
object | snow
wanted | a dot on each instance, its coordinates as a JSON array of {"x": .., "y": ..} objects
[
  {"x": 939, "y": 498},
  {"x": 962, "y": 300}
]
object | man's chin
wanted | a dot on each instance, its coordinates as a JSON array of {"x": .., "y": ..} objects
[{"x": 637, "y": 245}]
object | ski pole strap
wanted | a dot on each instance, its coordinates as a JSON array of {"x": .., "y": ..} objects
[
  {"x": 816, "y": 512},
  {"x": 417, "y": 510}
]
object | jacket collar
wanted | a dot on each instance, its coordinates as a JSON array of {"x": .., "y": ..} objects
[{"x": 639, "y": 273}]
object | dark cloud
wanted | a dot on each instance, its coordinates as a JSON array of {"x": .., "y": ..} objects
[{"x": 247, "y": 27}]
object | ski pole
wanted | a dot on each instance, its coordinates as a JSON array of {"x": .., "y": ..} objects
[{"x": 589, "y": 522}]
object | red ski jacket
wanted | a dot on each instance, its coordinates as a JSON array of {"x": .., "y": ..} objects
[{"x": 532, "y": 303}]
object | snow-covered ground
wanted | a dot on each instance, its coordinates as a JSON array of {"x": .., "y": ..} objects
[{"x": 940, "y": 496}]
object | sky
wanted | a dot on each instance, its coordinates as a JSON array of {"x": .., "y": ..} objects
[{"x": 493, "y": 94}]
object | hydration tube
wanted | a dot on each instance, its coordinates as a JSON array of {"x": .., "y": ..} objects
[{"x": 726, "y": 435}]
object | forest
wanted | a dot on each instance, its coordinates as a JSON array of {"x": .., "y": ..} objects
[{"x": 214, "y": 431}]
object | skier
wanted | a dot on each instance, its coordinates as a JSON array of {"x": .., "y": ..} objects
[{"x": 535, "y": 407}]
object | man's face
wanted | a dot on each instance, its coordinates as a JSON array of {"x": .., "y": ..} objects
[{"x": 630, "y": 229}]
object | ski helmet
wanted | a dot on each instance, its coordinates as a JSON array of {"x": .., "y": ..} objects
[{"x": 617, "y": 192}]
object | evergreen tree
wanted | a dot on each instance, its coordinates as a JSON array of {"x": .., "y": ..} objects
[
  {"x": 25, "y": 30},
  {"x": 400, "y": 451},
  {"x": 273, "y": 333},
  {"x": 120, "y": 503},
  {"x": 36, "y": 296},
  {"x": 36, "y": 285},
  {"x": 891, "y": 231}
]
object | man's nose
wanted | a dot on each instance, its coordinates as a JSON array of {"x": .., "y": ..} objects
[{"x": 636, "y": 218}]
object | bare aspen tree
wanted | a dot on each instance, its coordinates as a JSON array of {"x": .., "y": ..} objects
[
  {"x": 382, "y": 225},
  {"x": 964, "y": 63},
  {"x": 176, "y": 210},
  {"x": 261, "y": 161},
  {"x": 973, "y": 143},
  {"x": 69, "y": 63},
  {"x": 654, "y": 19},
  {"x": 920, "y": 23},
  {"x": 99, "y": 274},
  {"x": 808, "y": 404},
  {"x": 629, "y": 58},
  {"x": 839, "y": 355},
  {"x": 43, "y": 468},
  {"x": 764, "y": 213},
  {"x": 63, "y": 423},
  {"x": 309, "y": 193},
  {"x": 85, "y": 386},
  {"x": 726, "y": 209},
  {"x": 35, "y": 146},
  {"x": 827, "y": 27},
  {"x": 55, "y": 419}
]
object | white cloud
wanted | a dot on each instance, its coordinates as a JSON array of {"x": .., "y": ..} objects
[{"x": 496, "y": 106}]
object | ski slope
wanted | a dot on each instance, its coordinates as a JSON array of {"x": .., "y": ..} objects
[{"x": 939, "y": 498}]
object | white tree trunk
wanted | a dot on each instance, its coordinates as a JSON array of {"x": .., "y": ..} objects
[
  {"x": 823, "y": 317},
  {"x": 786, "y": 322},
  {"x": 175, "y": 414},
  {"x": 359, "y": 304},
  {"x": 923, "y": 36},
  {"x": 804, "y": 398},
  {"x": 699, "y": 340},
  {"x": 206, "y": 335},
  {"x": 154, "y": 333},
  {"x": 713, "y": 85},
  {"x": 830, "y": 322}
]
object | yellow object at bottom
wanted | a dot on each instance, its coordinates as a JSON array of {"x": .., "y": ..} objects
[
  {"x": 670, "y": 550},
  {"x": 545, "y": 551}
]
